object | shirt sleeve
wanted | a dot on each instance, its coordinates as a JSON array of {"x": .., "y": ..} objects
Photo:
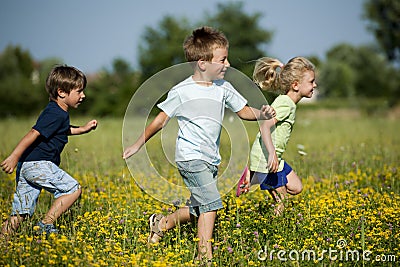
[
  {"x": 171, "y": 104},
  {"x": 282, "y": 108},
  {"x": 48, "y": 123},
  {"x": 234, "y": 100}
]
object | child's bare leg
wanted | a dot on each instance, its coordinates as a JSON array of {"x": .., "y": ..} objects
[
  {"x": 294, "y": 185},
  {"x": 182, "y": 215},
  {"x": 205, "y": 230},
  {"x": 279, "y": 195},
  {"x": 60, "y": 205},
  {"x": 12, "y": 224}
]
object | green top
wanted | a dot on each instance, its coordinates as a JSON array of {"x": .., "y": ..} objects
[{"x": 285, "y": 110}]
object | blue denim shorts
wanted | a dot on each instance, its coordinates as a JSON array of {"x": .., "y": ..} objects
[
  {"x": 201, "y": 179},
  {"x": 32, "y": 177},
  {"x": 269, "y": 181}
]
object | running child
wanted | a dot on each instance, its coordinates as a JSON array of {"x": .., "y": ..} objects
[
  {"x": 37, "y": 156},
  {"x": 198, "y": 103},
  {"x": 295, "y": 79}
]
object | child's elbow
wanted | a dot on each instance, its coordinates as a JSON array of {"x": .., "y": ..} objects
[{"x": 246, "y": 113}]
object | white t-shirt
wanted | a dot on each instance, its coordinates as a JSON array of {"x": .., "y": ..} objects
[{"x": 200, "y": 111}]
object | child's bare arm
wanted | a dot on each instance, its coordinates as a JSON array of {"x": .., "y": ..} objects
[
  {"x": 75, "y": 130},
  {"x": 265, "y": 129},
  {"x": 251, "y": 114},
  {"x": 156, "y": 125},
  {"x": 8, "y": 165}
]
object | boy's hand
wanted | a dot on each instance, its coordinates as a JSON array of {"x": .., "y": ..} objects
[
  {"x": 268, "y": 112},
  {"x": 91, "y": 125},
  {"x": 8, "y": 165},
  {"x": 130, "y": 151},
  {"x": 76, "y": 130},
  {"x": 273, "y": 163}
]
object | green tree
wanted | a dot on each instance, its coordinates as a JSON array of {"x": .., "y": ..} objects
[
  {"x": 162, "y": 47},
  {"x": 18, "y": 89},
  {"x": 109, "y": 92},
  {"x": 246, "y": 37},
  {"x": 336, "y": 79},
  {"x": 357, "y": 71},
  {"x": 384, "y": 17}
]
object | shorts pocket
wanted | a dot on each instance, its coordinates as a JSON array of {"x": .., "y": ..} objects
[
  {"x": 192, "y": 166},
  {"x": 33, "y": 172}
]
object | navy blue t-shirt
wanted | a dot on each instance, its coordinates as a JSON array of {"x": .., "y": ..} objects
[{"x": 53, "y": 126}]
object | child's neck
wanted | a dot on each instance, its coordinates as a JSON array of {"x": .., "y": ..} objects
[
  {"x": 201, "y": 80},
  {"x": 61, "y": 104},
  {"x": 294, "y": 96}
]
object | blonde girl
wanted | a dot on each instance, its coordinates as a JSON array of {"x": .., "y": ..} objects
[{"x": 294, "y": 80}]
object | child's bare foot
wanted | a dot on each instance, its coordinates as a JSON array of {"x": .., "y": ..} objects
[
  {"x": 244, "y": 182},
  {"x": 278, "y": 210}
]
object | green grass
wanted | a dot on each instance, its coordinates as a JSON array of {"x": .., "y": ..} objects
[{"x": 351, "y": 193}]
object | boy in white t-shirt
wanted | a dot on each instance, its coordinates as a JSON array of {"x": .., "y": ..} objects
[{"x": 199, "y": 103}]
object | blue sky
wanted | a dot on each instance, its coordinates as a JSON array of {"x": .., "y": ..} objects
[{"x": 89, "y": 34}]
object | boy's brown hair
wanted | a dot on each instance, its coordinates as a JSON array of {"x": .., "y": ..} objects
[
  {"x": 65, "y": 78},
  {"x": 202, "y": 42}
]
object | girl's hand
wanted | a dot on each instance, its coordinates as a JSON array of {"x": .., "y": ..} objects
[
  {"x": 268, "y": 112},
  {"x": 273, "y": 162}
]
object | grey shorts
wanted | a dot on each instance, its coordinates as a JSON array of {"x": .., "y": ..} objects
[
  {"x": 32, "y": 177},
  {"x": 201, "y": 179}
]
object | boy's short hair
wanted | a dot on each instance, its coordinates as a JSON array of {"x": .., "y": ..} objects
[
  {"x": 202, "y": 42},
  {"x": 65, "y": 78}
]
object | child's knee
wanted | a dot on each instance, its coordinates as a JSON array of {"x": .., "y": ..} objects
[
  {"x": 294, "y": 189},
  {"x": 79, "y": 191},
  {"x": 75, "y": 193},
  {"x": 294, "y": 185},
  {"x": 297, "y": 189}
]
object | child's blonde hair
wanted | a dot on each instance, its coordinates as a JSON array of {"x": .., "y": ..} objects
[
  {"x": 202, "y": 42},
  {"x": 271, "y": 74}
]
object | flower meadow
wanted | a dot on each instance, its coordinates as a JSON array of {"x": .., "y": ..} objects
[{"x": 347, "y": 215}]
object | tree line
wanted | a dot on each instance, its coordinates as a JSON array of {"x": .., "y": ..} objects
[{"x": 367, "y": 71}]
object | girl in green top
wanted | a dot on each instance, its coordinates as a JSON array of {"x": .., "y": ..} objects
[{"x": 296, "y": 80}]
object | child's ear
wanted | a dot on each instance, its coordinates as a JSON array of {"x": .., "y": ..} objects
[
  {"x": 61, "y": 93},
  {"x": 201, "y": 64},
  {"x": 295, "y": 86}
]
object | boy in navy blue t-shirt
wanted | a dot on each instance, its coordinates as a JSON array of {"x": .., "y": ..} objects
[{"x": 37, "y": 156}]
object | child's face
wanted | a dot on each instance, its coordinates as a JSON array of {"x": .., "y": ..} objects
[
  {"x": 73, "y": 99},
  {"x": 219, "y": 64},
  {"x": 307, "y": 84}
]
